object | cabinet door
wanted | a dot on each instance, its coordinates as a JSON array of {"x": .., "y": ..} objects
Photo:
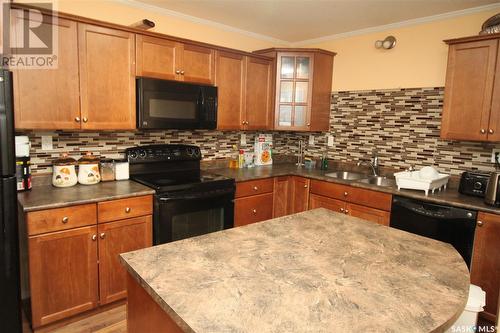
[
  {"x": 318, "y": 201},
  {"x": 485, "y": 270},
  {"x": 468, "y": 90},
  {"x": 258, "y": 101},
  {"x": 253, "y": 209},
  {"x": 115, "y": 238},
  {"x": 230, "y": 81},
  {"x": 107, "y": 77},
  {"x": 63, "y": 274},
  {"x": 300, "y": 194},
  {"x": 494, "y": 124},
  {"x": 49, "y": 99},
  {"x": 281, "y": 196},
  {"x": 157, "y": 57},
  {"x": 368, "y": 214},
  {"x": 198, "y": 64}
]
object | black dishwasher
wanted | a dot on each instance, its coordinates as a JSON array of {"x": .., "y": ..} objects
[{"x": 452, "y": 225}]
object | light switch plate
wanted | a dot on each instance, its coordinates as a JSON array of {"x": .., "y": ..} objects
[
  {"x": 311, "y": 140},
  {"x": 243, "y": 139},
  {"x": 493, "y": 155},
  {"x": 47, "y": 142},
  {"x": 330, "y": 140}
]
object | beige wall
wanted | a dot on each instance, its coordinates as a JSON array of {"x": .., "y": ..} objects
[
  {"x": 116, "y": 12},
  {"x": 418, "y": 60}
]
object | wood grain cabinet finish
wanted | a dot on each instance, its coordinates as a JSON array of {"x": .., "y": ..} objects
[
  {"x": 124, "y": 208},
  {"x": 58, "y": 219},
  {"x": 253, "y": 209},
  {"x": 281, "y": 197},
  {"x": 319, "y": 201},
  {"x": 63, "y": 274},
  {"x": 485, "y": 269},
  {"x": 115, "y": 238},
  {"x": 170, "y": 60},
  {"x": 369, "y": 214},
  {"x": 244, "y": 91},
  {"x": 254, "y": 187},
  {"x": 107, "y": 77},
  {"x": 471, "y": 109},
  {"x": 49, "y": 99},
  {"x": 299, "y": 194},
  {"x": 303, "y": 81}
]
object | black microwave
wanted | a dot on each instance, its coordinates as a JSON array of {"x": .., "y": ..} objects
[{"x": 163, "y": 104}]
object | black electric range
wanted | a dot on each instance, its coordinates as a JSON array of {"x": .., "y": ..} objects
[{"x": 188, "y": 202}]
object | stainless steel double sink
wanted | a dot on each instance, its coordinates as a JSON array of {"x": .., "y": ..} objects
[{"x": 362, "y": 178}]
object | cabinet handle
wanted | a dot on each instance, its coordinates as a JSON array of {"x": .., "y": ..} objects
[
  {"x": 182, "y": 72},
  {"x": 254, "y": 211},
  {"x": 255, "y": 188},
  {"x": 102, "y": 235},
  {"x": 483, "y": 131},
  {"x": 127, "y": 210},
  {"x": 347, "y": 211},
  {"x": 177, "y": 72},
  {"x": 65, "y": 219},
  {"x": 94, "y": 237},
  {"x": 77, "y": 119},
  {"x": 243, "y": 122},
  {"x": 308, "y": 124},
  {"x": 85, "y": 119},
  {"x": 480, "y": 223},
  {"x": 342, "y": 210},
  {"x": 345, "y": 194},
  {"x": 490, "y": 131},
  {"x": 305, "y": 186}
]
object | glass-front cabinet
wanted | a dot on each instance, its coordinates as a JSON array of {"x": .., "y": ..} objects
[{"x": 303, "y": 88}]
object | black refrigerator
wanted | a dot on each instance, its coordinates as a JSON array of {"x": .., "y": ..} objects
[{"x": 10, "y": 299}]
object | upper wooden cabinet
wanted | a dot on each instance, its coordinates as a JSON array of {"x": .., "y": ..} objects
[
  {"x": 244, "y": 91},
  {"x": 165, "y": 59},
  {"x": 303, "y": 85},
  {"x": 471, "y": 109}
]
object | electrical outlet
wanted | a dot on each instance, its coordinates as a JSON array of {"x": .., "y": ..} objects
[
  {"x": 243, "y": 139},
  {"x": 493, "y": 152},
  {"x": 330, "y": 140},
  {"x": 311, "y": 140},
  {"x": 47, "y": 142}
]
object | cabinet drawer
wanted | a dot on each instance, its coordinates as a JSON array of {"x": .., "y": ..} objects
[
  {"x": 124, "y": 208},
  {"x": 369, "y": 214},
  {"x": 331, "y": 190},
  {"x": 254, "y": 187},
  {"x": 253, "y": 209},
  {"x": 318, "y": 201},
  {"x": 61, "y": 219},
  {"x": 369, "y": 198}
]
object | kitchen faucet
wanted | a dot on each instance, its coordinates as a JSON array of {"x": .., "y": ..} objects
[
  {"x": 373, "y": 163},
  {"x": 300, "y": 155}
]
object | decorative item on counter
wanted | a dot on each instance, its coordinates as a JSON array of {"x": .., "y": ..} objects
[
  {"x": 23, "y": 163},
  {"x": 263, "y": 149},
  {"x": 241, "y": 159},
  {"x": 309, "y": 163},
  {"x": 491, "y": 25},
  {"x": 64, "y": 173},
  {"x": 234, "y": 161},
  {"x": 122, "y": 171},
  {"x": 249, "y": 160},
  {"x": 324, "y": 162},
  {"x": 427, "y": 179},
  {"x": 88, "y": 170},
  {"x": 107, "y": 170}
]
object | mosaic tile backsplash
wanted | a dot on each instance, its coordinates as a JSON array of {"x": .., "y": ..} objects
[{"x": 402, "y": 125}]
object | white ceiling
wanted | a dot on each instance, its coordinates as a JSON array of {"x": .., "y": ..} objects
[{"x": 299, "y": 20}]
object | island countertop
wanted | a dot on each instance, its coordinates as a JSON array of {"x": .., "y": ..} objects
[{"x": 316, "y": 271}]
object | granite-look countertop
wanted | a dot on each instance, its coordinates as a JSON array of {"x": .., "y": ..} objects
[
  {"x": 450, "y": 196},
  {"x": 316, "y": 271},
  {"x": 47, "y": 196}
]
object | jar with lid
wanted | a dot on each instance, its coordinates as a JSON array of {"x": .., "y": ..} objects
[
  {"x": 88, "y": 169},
  {"x": 121, "y": 169},
  {"x": 107, "y": 170},
  {"x": 64, "y": 172}
]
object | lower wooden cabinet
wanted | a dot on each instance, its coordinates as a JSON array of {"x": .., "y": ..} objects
[
  {"x": 319, "y": 201},
  {"x": 281, "y": 196},
  {"x": 485, "y": 269},
  {"x": 115, "y": 238},
  {"x": 253, "y": 209},
  {"x": 368, "y": 213},
  {"x": 63, "y": 274},
  {"x": 299, "y": 194}
]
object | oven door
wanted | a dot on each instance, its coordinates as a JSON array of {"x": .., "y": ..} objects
[{"x": 192, "y": 215}]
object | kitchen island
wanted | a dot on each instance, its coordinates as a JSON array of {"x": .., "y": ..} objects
[{"x": 317, "y": 271}]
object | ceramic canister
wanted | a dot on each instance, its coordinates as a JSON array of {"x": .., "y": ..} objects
[
  {"x": 64, "y": 173},
  {"x": 88, "y": 170}
]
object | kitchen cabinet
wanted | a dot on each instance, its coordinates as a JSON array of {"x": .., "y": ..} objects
[
  {"x": 49, "y": 99},
  {"x": 368, "y": 213},
  {"x": 107, "y": 77},
  {"x": 299, "y": 194},
  {"x": 303, "y": 83},
  {"x": 471, "y": 109},
  {"x": 170, "y": 60},
  {"x": 281, "y": 196},
  {"x": 73, "y": 255},
  {"x": 253, "y": 201},
  {"x": 244, "y": 91},
  {"x": 485, "y": 269}
]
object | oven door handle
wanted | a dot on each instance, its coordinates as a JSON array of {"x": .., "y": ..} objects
[{"x": 201, "y": 195}]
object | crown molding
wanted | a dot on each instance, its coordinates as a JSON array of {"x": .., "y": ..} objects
[
  {"x": 396, "y": 25},
  {"x": 194, "y": 19}
]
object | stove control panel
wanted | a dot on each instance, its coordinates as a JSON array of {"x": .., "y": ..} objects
[{"x": 163, "y": 153}]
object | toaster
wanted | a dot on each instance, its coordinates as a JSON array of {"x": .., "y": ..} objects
[
  {"x": 492, "y": 196},
  {"x": 474, "y": 183}
]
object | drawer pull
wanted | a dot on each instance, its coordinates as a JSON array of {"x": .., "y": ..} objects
[
  {"x": 342, "y": 210},
  {"x": 177, "y": 72},
  {"x": 65, "y": 219},
  {"x": 345, "y": 194},
  {"x": 94, "y": 237},
  {"x": 77, "y": 119},
  {"x": 254, "y": 211},
  {"x": 255, "y": 188},
  {"x": 182, "y": 72},
  {"x": 102, "y": 235},
  {"x": 127, "y": 210},
  {"x": 305, "y": 186},
  {"x": 347, "y": 211},
  {"x": 483, "y": 131},
  {"x": 480, "y": 223},
  {"x": 491, "y": 131}
]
